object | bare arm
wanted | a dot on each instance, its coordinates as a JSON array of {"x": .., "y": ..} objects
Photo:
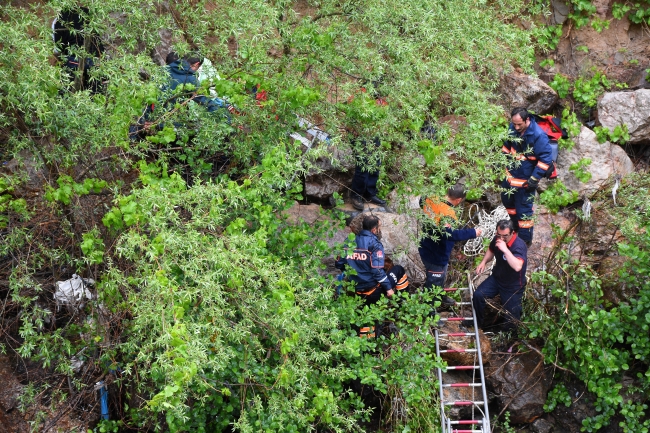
[{"x": 487, "y": 258}]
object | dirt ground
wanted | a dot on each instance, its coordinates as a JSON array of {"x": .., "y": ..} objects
[
  {"x": 621, "y": 51},
  {"x": 37, "y": 418}
]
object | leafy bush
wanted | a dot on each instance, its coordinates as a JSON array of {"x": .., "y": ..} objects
[
  {"x": 580, "y": 169},
  {"x": 618, "y": 135},
  {"x": 586, "y": 91},
  {"x": 548, "y": 37},
  {"x": 595, "y": 340},
  {"x": 557, "y": 195},
  {"x": 561, "y": 85}
]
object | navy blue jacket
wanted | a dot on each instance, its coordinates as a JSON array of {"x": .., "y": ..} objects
[
  {"x": 437, "y": 252},
  {"x": 367, "y": 260},
  {"x": 180, "y": 73},
  {"x": 533, "y": 151}
]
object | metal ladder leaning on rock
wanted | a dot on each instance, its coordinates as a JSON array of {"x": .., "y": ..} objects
[{"x": 480, "y": 416}]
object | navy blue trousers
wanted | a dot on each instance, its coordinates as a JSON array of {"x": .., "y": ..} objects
[
  {"x": 519, "y": 204},
  {"x": 510, "y": 301},
  {"x": 364, "y": 182},
  {"x": 436, "y": 275}
]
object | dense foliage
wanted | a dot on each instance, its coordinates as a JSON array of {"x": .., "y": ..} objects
[
  {"x": 210, "y": 309},
  {"x": 596, "y": 319}
]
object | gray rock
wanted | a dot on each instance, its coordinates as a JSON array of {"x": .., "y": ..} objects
[
  {"x": 606, "y": 160},
  {"x": 521, "y": 90},
  {"x": 329, "y": 175},
  {"x": 31, "y": 166},
  {"x": 560, "y": 11},
  {"x": 541, "y": 425},
  {"x": 630, "y": 108},
  {"x": 520, "y": 384}
]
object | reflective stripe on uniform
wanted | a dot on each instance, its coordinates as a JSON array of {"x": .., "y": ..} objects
[
  {"x": 369, "y": 292},
  {"x": 367, "y": 332},
  {"x": 512, "y": 211},
  {"x": 543, "y": 166},
  {"x": 526, "y": 224},
  {"x": 518, "y": 183},
  {"x": 513, "y": 181},
  {"x": 403, "y": 283}
]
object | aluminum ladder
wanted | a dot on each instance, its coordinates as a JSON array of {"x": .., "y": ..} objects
[{"x": 480, "y": 418}]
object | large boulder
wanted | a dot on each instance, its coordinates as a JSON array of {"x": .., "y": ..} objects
[
  {"x": 546, "y": 227},
  {"x": 607, "y": 160},
  {"x": 630, "y": 108},
  {"x": 520, "y": 384},
  {"x": 521, "y": 90},
  {"x": 329, "y": 175}
]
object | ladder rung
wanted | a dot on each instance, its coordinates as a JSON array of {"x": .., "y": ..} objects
[
  {"x": 453, "y": 289},
  {"x": 462, "y": 367},
  {"x": 455, "y": 319},
  {"x": 466, "y": 421},
  {"x": 458, "y": 334},
  {"x": 463, "y": 403},
  {"x": 458, "y": 351},
  {"x": 460, "y": 385}
]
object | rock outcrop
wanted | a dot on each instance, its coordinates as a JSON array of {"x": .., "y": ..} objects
[
  {"x": 629, "y": 108},
  {"x": 521, "y": 90},
  {"x": 607, "y": 159},
  {"x": 520, "y": 384},
  {"x": 327, "y": 177}
]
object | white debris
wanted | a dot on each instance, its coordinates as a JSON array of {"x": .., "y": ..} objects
[{"x": 73, "y": 291}]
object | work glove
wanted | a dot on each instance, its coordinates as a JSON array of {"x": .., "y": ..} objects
[{"x": 531, "y": 184}]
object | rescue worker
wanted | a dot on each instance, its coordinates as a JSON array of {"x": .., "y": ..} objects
[
  {"x": 72, "y": 38},
  {"x": 438, "y": 242},
  {"x": 530, "y": 157},
  {"x": 183, "y": 71},
  {"x": 367, "y": 260},
  {"x": 399, "y": 280},
  {"x": 508, "y": 279},
  {"x": 366, "y": 170}
]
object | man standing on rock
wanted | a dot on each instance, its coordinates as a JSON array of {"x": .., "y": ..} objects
[
  {"x": 530, "y": 157},
  {"x": 508, "y": 279},
  {"x": 367, "y": 260},
  {"x": 437, "y": 243}
]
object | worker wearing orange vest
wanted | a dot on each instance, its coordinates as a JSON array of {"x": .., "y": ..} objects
[{"x": 438, "y": 241}]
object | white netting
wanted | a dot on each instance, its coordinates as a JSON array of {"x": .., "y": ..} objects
[{"x": 487, "y": 222}]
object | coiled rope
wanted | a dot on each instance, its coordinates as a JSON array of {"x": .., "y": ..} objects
[{"x": 487, "y": 222}]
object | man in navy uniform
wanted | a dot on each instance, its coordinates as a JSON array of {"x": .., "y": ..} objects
[
  {"x": 438, "y": 241},
  {"x": 508, "y": 277},
  {"x": 531, "y": 157},
  {"x": 367, "y": 259}
]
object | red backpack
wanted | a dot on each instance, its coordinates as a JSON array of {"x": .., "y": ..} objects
[{"x": 552, "y": 126}]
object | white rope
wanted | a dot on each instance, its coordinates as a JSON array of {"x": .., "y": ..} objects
[
  {"x": 586, "y": 209},
  {"x": 617, "y": 178},
  {"x": 487, "y": 222}
]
